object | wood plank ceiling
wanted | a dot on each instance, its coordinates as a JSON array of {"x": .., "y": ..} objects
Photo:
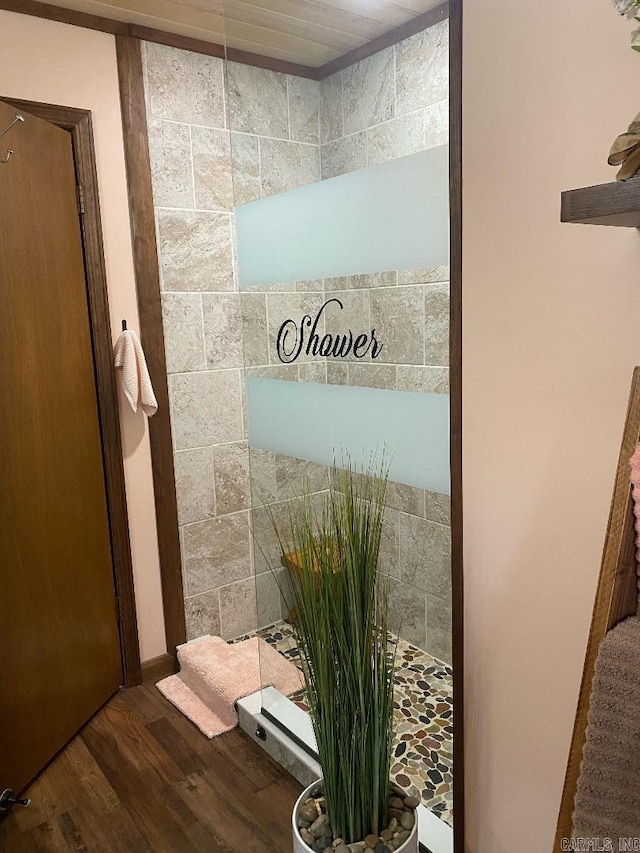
[{"x": 308, "y": 32}]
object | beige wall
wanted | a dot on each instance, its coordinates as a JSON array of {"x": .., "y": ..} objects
[
  {"x": 54, "y": 63},
  {"x": 551, "y": 334}
]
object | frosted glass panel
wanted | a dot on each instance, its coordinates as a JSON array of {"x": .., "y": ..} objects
[
  {"x": 391, "y": 216},
  {"x": 318, "y": 422}
]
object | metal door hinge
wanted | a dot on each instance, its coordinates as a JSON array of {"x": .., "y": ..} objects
[{"x": 80, "y": 190}]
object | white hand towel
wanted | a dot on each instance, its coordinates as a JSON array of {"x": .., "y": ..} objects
[{"x": 134, "y": 375}]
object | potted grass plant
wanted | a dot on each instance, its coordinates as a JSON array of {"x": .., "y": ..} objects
[{"x": 348, "y": 660}]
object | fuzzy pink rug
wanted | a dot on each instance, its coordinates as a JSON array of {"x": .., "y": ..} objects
[{"x": 214, "y": 674}]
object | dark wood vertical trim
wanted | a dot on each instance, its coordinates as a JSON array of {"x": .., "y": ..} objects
[
  {"x": 78, "y": 123},
  {"x": 145, "y": 258},
  {"x": 455, "y": 343}
]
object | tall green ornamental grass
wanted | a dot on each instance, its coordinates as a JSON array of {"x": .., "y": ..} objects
[{"x": 347, "y": 657}]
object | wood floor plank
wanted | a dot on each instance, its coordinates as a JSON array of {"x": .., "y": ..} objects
[
  {"x": 76, "y": 775},
  {"x": 186, "y": 758},
  {"x": 146, "y": 702},
  {"x": 140, "y": 778},
  {"x": 72, "y": 833},
  {"x": 48, "y": 838},
  {"x": 214, "y": 808}
]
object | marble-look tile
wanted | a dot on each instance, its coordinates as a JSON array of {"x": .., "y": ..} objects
[
  {"x": 263, "y": 476},
  {"x": 354, "y": 316},
  {"x": 222, "y": 329},
  {"x": 431, "y": 275},
  {"x": 362, "y": 281},
  {"x": 257, "y": 100},
  {"x": 170, "y": 156},
  {"x": 315, "y": 285},
  {"x": 422, "y": 68},
  {"x": 390, "y": 544},
  {"x": 206, "y": 408},
  {"x": 212, "y": 168},
  {"x": 216, "y": 552},
  {"x": 270, "y": 287},
  {"x": 231, "y": 477},
  {"x": 296, "y": 477},
  {"x": 436, "y": 124},
  {"x": 195, "y": 250},
  {"x": 245, "y": 157},
  {"x": 397, "y": 314},
  {"x": 436, "y": 324},
  {"x": 238, "y": 608},
  {"x": 396, "y": 138},
  {"x": 331, "y": 108},
  {"x": 268, "y": 598},
  {"x": 337, "y": 373},
  {"x": 255, "y": 343},
  {"x": 369, "y": 375},
  {"x": 423, "y": 379},
  {"x": 405, "y": 498},
  {"x": 425, "y": 555},
  {"x": 184, "y": 86},
  {"x": 287, "y": 165},
  {"x": 202, "y": 613},
  {"x": 304, "y": 106},
  {"x": 439, "y": 634},
  {"x": 194, "y": 485},
  {"x": 344, "y": 155},
  {"x": 266, "y": 545},
  {"x": 313, "y": 371},
  {"x": 437, "y": 507},
  {"x": 408, "y": 613},
  {"x": 368, "y": 91},
  {"x": 289, "y": 372},
  {"x": 292, "y": 306},
  {"x": 183, "y": 339}
]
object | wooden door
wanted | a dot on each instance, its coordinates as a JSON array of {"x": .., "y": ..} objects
[{"x": 59, "y": 639}]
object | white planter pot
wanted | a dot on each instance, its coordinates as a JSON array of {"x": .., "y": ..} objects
[{"x": 299, "y": 846}]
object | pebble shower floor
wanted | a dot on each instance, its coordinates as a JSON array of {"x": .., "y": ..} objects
[{"x": 423, "y": 747}]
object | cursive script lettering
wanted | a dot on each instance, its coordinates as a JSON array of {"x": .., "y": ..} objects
[{"x": 291, "y": 339}]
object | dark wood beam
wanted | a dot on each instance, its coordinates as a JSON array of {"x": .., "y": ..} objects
[
  {"x": 145, "y": 259},
  {"x": 410, "y": 28}
]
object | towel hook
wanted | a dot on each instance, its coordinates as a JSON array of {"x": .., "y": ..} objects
[
  {"x": 18, "y": 118},
  {"x": 124, "y": 325}
]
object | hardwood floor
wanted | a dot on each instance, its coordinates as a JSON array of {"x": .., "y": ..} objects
[{"x": 140, "y": 778}]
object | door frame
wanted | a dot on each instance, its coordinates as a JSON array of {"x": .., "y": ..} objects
[{"x": 78, "y": 123}]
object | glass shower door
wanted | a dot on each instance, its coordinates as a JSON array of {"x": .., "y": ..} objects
[{"x": 341, "y": 209}]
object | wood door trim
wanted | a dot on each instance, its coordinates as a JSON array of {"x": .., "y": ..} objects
[
  {"x": 158, "y": 667},
  {"x": 145, "y": 258},
  {"x": 616, "y": 598},
  {"x": 78, "y": 123}
]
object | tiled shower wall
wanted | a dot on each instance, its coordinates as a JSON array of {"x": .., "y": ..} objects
[{"x": 215, "y": 142}]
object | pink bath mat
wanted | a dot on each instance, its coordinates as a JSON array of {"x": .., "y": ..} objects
[{"x": 214, "y": 674}]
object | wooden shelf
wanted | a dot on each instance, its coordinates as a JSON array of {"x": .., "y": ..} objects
[{"x": 606, "y": 204}]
